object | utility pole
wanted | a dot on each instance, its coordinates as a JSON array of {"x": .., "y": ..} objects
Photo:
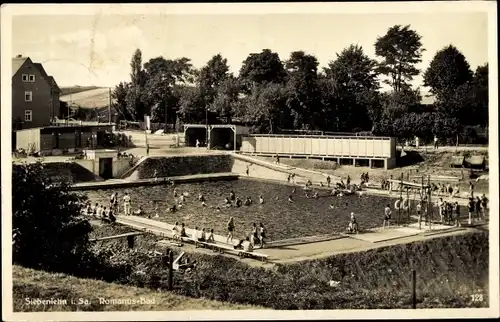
[{"x": 109, "y": 106}]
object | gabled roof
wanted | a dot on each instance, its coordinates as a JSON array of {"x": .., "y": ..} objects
[
  {"x": 17, "y": 62},
  {"x": 54, "y": 84}
]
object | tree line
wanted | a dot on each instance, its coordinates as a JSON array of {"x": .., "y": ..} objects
[{"x": 271, "y": 95}]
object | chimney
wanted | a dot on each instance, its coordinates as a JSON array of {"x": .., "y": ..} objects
[{"x": 19, "y": 56}]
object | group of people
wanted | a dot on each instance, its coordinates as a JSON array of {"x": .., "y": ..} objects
[
  {"x": 257, "y": 236},
  {"x": 477, "y": 206},
  {"x": 449, "y": 212}
]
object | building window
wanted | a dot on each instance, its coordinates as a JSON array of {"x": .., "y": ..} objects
[
  {"x": 28, "y": 96},
  {"x": 25, "y": 78},
  {"x": 32, "y": 78},
  {"x": 28, "y": 115}
]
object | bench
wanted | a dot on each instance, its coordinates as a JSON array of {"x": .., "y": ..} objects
[
  {"x": 222, "y": 248},
  {"x": 246, "y": 254}
]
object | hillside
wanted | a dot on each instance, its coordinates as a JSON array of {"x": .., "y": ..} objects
[
  {"x": 29, "y": 283},
  {"x": 76, "y": 89},
  {"x": 95, "y": 97}
]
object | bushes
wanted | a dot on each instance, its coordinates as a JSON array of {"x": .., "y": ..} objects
[{"x": 184, "y": 165}]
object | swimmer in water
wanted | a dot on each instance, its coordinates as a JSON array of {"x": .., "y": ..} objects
[
  {"x": 226, "y": 201},
  {"x": 203, "y": 204},
  {"x": 231, "y": 195},
  {"x": 175, "y": 192},
  {"x": 315, "y": 196},
  {"x": 248, "y": 201},
  {"x": 201, "y": 197},
  {"x": 261, "y": 200},
  {"x": 332, "y": 206},
  {"x": 238, "y": 202},
  {"x": 290, "y": 199},
  {"x": 294, "y": 190}
]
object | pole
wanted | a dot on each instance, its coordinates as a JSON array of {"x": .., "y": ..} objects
[
  {"x": 421, "y": 203},
  {"x": 429, "y": 203},
  {"x": 109, "y": 106},
  {"x": 414, "y": 289},
  {"x": 206, "y": 126},
  {"x": 400, "y": 199},
  {"x": 71, "y": 103},
  {"x": 170, "y": 270},
  {"x": 409, "y": 202}
]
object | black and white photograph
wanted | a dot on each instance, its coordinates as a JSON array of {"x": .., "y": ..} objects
[{"x": 228, "y": 161}]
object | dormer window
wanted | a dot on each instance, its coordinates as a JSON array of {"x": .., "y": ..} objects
[
  {"x": 32, "y": 78},
  {"x": 25, "y": 77}
]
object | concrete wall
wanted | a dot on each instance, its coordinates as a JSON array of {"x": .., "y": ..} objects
[
  {"x": 348, "y": 147},
  {"x": 28, "y": 139},
  {"x": 120, "y": 166},
  {"x": 257, "y": 171}
]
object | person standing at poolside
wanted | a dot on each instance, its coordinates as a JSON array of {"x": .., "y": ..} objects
[
  {"x": 328, "y": 181},
  {"x": 261, "y": 199},
  {"x": 262, "y": 235},
  {"x": 484, "y": 204},
  {"x": 387, "y": 216},
  {"x": 470, "y": 207},
  {"x": 230, "y": 230},
  {"x": 126, "y": 204}
]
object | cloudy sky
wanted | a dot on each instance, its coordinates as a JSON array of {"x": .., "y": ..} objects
[{"x": 95, "y": 49}]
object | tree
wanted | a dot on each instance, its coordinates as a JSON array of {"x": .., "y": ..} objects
[
  {"x": 119, "y": 96},
  {"x": 162, "y": 76},
  {"x": 400, "y": 49},
  {"x": 49, "y": 235},
  {"x": 211, "y": 76},
  {"x": 263, "y": 67},
  {"x": 447, "y": 71},
  {"x": 137, "y": 82},
  {"x": 397, "y": 104},
  {"x": 226, "y": 99},
  {"x": 352, "y": 80},
  {"x": 481, "y": 96},
  {"x": 191, "y": 105},
  {"x": 302, "y": 82},
  {"x": 265, "y": 108}
]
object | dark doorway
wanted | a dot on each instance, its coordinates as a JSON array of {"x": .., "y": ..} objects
[
  {"x": 106, "y": 168},
  {"x": 222, "y": 139},
  {"x": 55, "y": 140},
  {"x": 195, "y": 133},
  {"x": 100, "y": 138}
]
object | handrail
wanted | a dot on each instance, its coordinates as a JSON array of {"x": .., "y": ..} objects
[{"x": 319, "y": 136}]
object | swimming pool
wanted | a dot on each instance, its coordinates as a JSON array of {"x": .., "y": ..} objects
[{"x": 282, "y": 219}]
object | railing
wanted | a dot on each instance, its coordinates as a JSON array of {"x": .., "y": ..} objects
[{"x": 320, "y": 136}]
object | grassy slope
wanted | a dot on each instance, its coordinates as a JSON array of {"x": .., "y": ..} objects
[
  {"x": 43, "y": 285},
  {"x": 434, "y": 163}
]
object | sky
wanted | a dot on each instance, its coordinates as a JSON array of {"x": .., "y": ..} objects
[{"x": 96, "y": 49}]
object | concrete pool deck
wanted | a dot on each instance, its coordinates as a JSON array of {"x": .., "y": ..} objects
[{"x": 313, "y": 247}]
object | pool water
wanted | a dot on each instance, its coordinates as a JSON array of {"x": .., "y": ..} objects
[{"x": 282, "y": 219}]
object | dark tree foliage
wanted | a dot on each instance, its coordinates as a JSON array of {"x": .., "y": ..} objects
[
  {"x": 400, "y": 49},
  {"x": 447, "y": 71},
  {"x": 50, "y": 233},
  {"x": 263, "y": 67},
  {"x": 351, "y": 80},
  {"x": 302, "y": 83}
]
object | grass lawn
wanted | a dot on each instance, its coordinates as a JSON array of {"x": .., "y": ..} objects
[
  {"x": 303, "y": 217},
  {"x": 449, "y": 270},
  {"x": 29, "y": 283}
]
